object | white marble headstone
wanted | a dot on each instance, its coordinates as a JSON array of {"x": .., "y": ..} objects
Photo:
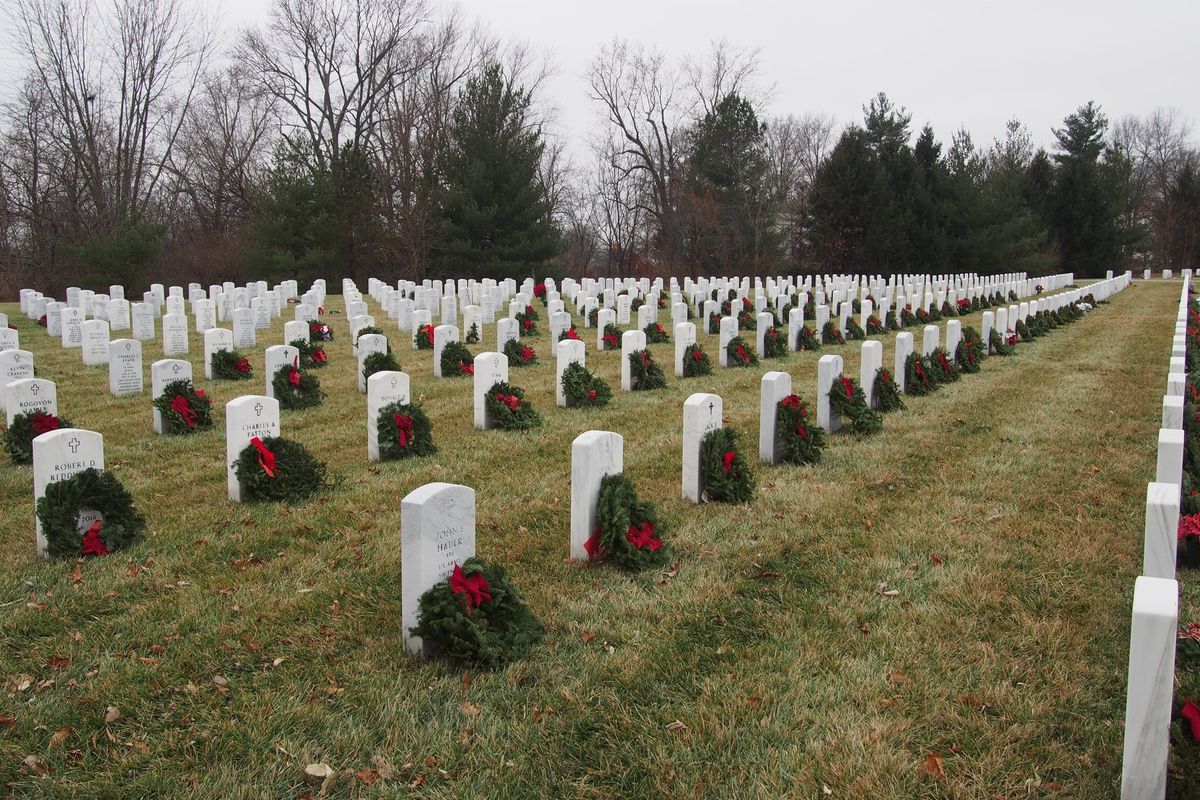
[
  {"x": 594, "y": 454},
  {"x": 490, "y": 368},
  {"x": 95, "y": 342},
  {"x": 631, "y": 342},
  {"x": 685, "y": 336},
  {"x": 124, "y": 367},
  {"x": 175, "y": 335},
  {"x": 829, "y": 369},
  {"x": 774, "y": 387},
  {"x": 570, "y": 351},
  {"x": 162, "y": 372},
  {"x": 367, "y": 344},
  {"x": 383, "y": 389},
  {"x": 276, "y": 357},
  {"x": 246, "y": 418},
  {"x": 701, "y": 413},
  {"x": 437, "y": 532},
  {"x": 30, "y": 394},
  {"x": 215, "y": 339},
  {"x": 59, "y": 455}
]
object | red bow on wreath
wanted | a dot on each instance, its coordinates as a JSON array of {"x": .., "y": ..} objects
[
  {"x": 646, "y": 360},
  {"x": 319, "y": 356},
  {"x": 920, "y": 372},
  {"x": 610, "y": 340},
  {"x": 592, "y": 545},
  {"x": 727, "y": 461},
  {"x": 180, "y": 406},
  {"x": 847, "y": 387},
  {"x": 200, "y": 393},
  {"x": 944, "y": 363},
  {"x": 697, "y": 356},
  {"x": 294, "y": 377},
  {"x": 526, "y": 353},
  {"x": 643, "y": 536},
  {"x": 791, "y": 401},
  {"x": 591, "y": 394},
  {"x": 509, "y": 400},
  {"x": 44, "y": 423},
  {"x": 528, "y": 324},
  {"x": 266, "y": 459},
  {"x": 93, "y": 545},
  {"x": 468, "y": 369},
  {"x": 404, "y": 429},
  {"x": 474, "y": 589},
  {"x": 741, "y": 353},
  {"x": 243, "y": 366}
]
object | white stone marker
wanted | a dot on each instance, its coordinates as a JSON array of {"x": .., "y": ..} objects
[
  {"x": 437, "y": 531},
  {"x": 701, "y": 413},
  {"x": 728, "y": 330},
  {"x": 775, "y": 386},
  {"x": 558, "y": 323},
  {"x": 795, "y": 323},
  {"x": 1162, "y": 530},
  {"x": 72, "y": 327},
  {"x": 15, "y": 365},
  {"x": 243, "y": 329},
  {"x": 594, "y": 454},
  {"x": 989, "y": 322},
  {"x": 506, "y": 331},
  {"x": 142, "y": 316},
  {"x": 685, "y": 337},
  {"x": 604, "y": 317},
  {"x": 9, "y": 338},
  {"x": 118, "y": 314},
  {"x": 162, "y": 372},
  {"x": 175, "y": 335},
  {"x": 275, "y": 358},
  {"x": 929, "y": 339},
  {"x": 442, "y": 335},
  {"x": 1170, "y": 457},
  {"x": 246, "y": 418},
  {"x": 1172, "y": 412},
  {"x": 294, "y": 330},
  {"x": 95, "y": 342},
  {"x": 59, "y": 455},
  {"x": 125, "y": 367},
  {"x": 215, "y": 339},
  {"x": 1150, "y": 689},
  {"x": 763, "y": 323},
  {"x": 829, "y": 368},
  {"x": 367, "y": 344},
  {"x": 953, "y": 336},
  {"x": 206, "y": 315},
  {"x": 383, "y": 389},
  {"x": 490, "y": 368},
  {"x": 631, "y": 342},
  {"x": 570, "y": 351},
  {"x": 870, "y": 362},
  {"x": 820, "y": 317},
  {"x": 30, "y": 394}
]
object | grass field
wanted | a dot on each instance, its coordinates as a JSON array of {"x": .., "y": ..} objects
[{"x": 238, "y": 644}]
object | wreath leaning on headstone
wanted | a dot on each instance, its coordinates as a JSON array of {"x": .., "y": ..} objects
[
  {"x": 945, "y": 366},
  {"x": 874, "y": 326},
  {"x": 738, "y": 354},
  {"x": 404, "y": 431},
  {"x": 424, "y": 337},
  {"x": 726, "y": 476},
  {"x": 854, "y": 331},
  {"x": 477, "y": 617},
  {"x": 802, "y": 442},
  {"x": 583, "y": 389},
  {"x": 90, "y": 490},
  {"x": 887, "y": 393},
  {"x": 644, "y": 372},
  {"x": 230, "y": 365},
  {"x": 611, "y": 337},
  {"x": 311, "y": 355},
  {"x": 970, "y": 351},
  {"x": 295, "y": 389},
  {"x": 366, "y": 330},
  {"x": 319, "y": 331},
  {"x": 519, "y": 355},
  {"x": 695, "y": 361},
  {"x": 25, "y": 427},
  {"x": 379, "y": 362},
  {"x": 774, "y": 343},
  {"x": 998, "y": 346},
  {"x": 917, "y": 380},
  {"x": 628, "y": 533},
  {"x": 275, "y": 469},
  {"x": 655, "y": 333},
  {"x": 457, "y": 360},
  {"x": 806, "y": 339},
  {"x": 183, "y": 408},
  {"x": 847, "y": 398},
  {"x": 831, "y": 334},
  {"x": 508, "y": 410},
  {"x": 472, "y": 336}
]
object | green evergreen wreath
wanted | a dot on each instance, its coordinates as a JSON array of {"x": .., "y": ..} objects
[
  {"x": 230, "y": 365},
  {"x": 593, "y": 317},
  {"x": 286, "y": 472},
  {"x": 847, "y": 398},
  {"x": 806, "y": 339},
  {"x": 948, "y": 310},
  {"x": 998, "y": 346},
  {"x": 491, "y": 631},
  {"x": 934, "y": 314},
  {"x": 655, "y": 334},
  {"x": 295, "y": 389},
  {"x": 739, "y": 354},
  {"x": 90, "y": 490},
  {"x": 970, "y": 351},
  {"x": 854, "y": 331},
  {"x": 183, "y": 409},
  {"x": 508, "y": 410},
  {"x": 25, "y": 427},
  {"x": 368, "y": 329},
  {"x": 887, "y": 393},
  {"x": 907, "y": 319},
  {"x": 627, "y": 529},
  {"x": 457, "y": 360},
  {"x": 945, "y": 366},
  {"x": 473, "y": 334},
  {"x": 873, "y": 326},
  {"x": 527, "y": 322},
  {"x": 569, "y": 334},
  {"x": 917, "y": 380},
  {"x": 583, "y": 389},
  {"x": 312, "y": 356},
  {"x": 519, "y": 355},
  {"x": 424, "y": 337},
  {"x": 644, "y": 372},
  {"x": 403, "y": 431},
  {"x": 802, "y": 442},
  {"x": 831, "y": 334},
  {"x": 891, "y": 322},
  {"x": 320, "y": 331},
  {"x": 724, "y": 474},
  {"x": 695, "y": 361},
  {"x": 611, "y": 337},
  {"x": 714, "y": 323},
  {"x": 379, "y": 362},
  {"x": 774, "y": 343}
]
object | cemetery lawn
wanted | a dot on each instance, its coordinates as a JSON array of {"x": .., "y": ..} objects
[{"x": 940, "y": 611}]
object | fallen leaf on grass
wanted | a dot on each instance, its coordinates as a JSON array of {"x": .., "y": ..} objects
[
  {"x": 676, "y": 726},
  {"x": 934, "y": 766},
  {"x": 7, "y": 722},
  {"x": 470, "y": 709},
  {"x": 899, "y": 678},
  {"x": 317, "y": 773},
  {"x": 58, "y": 662},
  {"x": 368, "y": 776},
  {"x": 77, "y": 574},
  {"x": 60, "y": 736},
  {"x": 587, "y": 636},
  {"x": 34, "y": 764},
  {"x": 111, "y": 715},
  {"x": 936, "y": 560}
]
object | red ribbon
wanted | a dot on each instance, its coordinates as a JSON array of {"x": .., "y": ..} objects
[
  {"x": 848, "y": 387},
  {"x": 266, "y": 459},
  {"x": 242, "y": 366},
  {"x": 526, "y": 353},
  {"x": 643, "y": 536},
  {"x": 697, "y": 356},
  {"x": 791, "y": 401},
  {"x": 404, "y": 429},
  {"x": 468, "y": 369},
  {"x": 920, "y": 372},
  {"x": 474, "y": 589},
  {"x": 509, "y": 400},
  {"x": 44, "y": 423},
  {"x": 591, "y": 394},
  {"x": 93, "y": 545},
  {"x": 180, "y": 406},
  {"x": 319, "y": 356},
  {"x": 592, "y": 545},
  {"x": 727, "y": 461},
  {"x": 200, "y": 393},
  {"x": 741, "y": 353},
  {"x": 294, "y": 377}
]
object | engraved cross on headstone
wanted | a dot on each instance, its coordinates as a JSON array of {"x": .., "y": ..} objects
[
  {"x": 258, "y": 409},
  {"x": 176, "y": 368},
  {"x": 35, "y": 389},
  {"x": 74, "y": 445}
]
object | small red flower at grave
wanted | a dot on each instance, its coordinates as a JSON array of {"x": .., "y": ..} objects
[
  {"x": 320, "y": 309},
  {"x": 93, "y": 545},
  {"x": 591, "y": 394},
  {"x": 1012, "y": 337},
  {"x": 727, "y": 461},
  {"x": 266, "y": 459},
  {"x": 180, "y": 406},
  {"x": 319, "y": 355},
  {"x": 44, "y": 423},
  {"x": 1189, "y": 527},
  {"x": 468, "y": 369},
  {"x": 404, "y": 429},
  {"x": 1191, "y": 712},
  {"x": 242, "y": 366},
  {"x": 526, "y": 353},
  {"x": 643, "y": 536},
  {"x": 474, "y": 589},
  {"x": 847, "y": 387}
]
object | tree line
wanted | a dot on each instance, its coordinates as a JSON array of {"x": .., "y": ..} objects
[{"x": 392, "y": 138}]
